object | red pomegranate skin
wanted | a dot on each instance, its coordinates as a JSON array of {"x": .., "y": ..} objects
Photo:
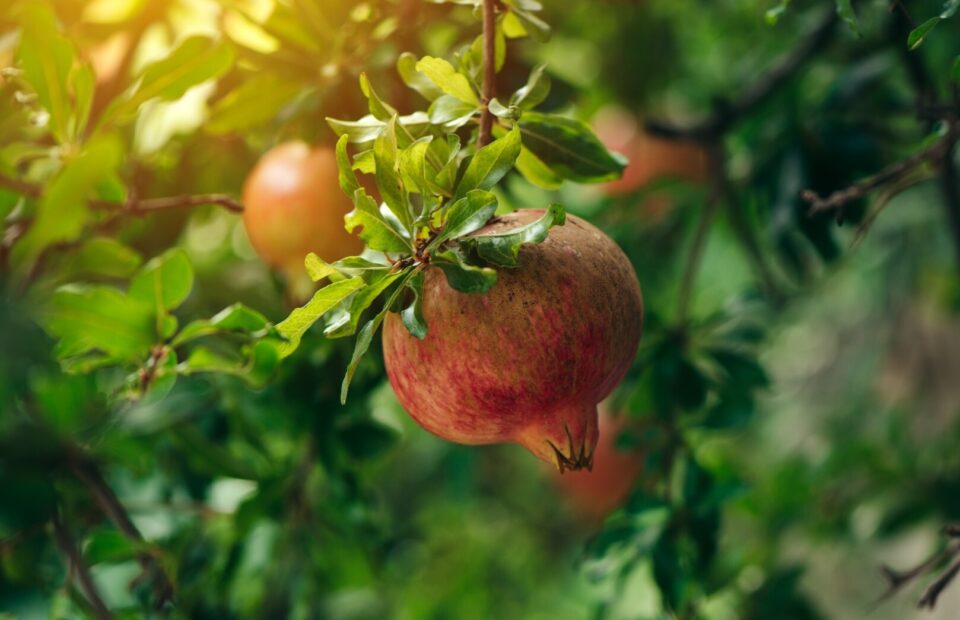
[{"x": 528, "y": 361}]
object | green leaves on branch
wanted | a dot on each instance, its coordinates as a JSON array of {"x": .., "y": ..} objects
[
  {"x": 919, "y": 34},
  {"x": 437, "y": 188}
]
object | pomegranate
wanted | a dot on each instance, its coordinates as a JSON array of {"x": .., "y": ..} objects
[
  {"x": 650, "y": 157},
  {"x": 293, "y": 206},
  {"x": 528, "y": 361},
  {"x": 593, "y": 495}
]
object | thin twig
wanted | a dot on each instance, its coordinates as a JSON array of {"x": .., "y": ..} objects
[
  {"x": 87, "y": 472},
  {"x": 698, "y": 242},
  {"x": 135, "y": 206},
  {"x": 729, "y": 114},
  {"x": 489, "y": 71},
  {"x": 898, "y": 579},
  {"x": 78, "y": 568},
  {"x": 896, "y": 171},
  {"x": 933, "y": 591}
]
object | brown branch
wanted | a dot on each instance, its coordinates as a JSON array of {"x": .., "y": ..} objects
[
  {"x": 135, "y": 206},
  {"x": 89, "y": 474},
  {"x": 933, "y": 591},
  {"x": 489, "y": 72},
  {"x": 893, "y": 173},
  {"x": 730, "y": 113},
  {"x": 898, "y": 579},
  {"x": 76, "y": 567}
]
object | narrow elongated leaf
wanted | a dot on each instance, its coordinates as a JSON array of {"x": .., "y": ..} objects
[
  {"x": 845, "y": 11},
  {"x": 196, "y": 60},
  {"x": 294, "y": 326},
  {"x": 99, "y": 318},
  {"x": 407, "y": 68},
  {"x": 253, "y": 103},
  {"x": 451, "y": 113},
  {"x": 372, "y": 227},
  {"x": 62, "y": 212},
  {"x": 503, "y": 249},
  {"x": 234, "y": 318},
  {"x": 569, "y": 148},
  {"x": 462, "y": 276},
  {"x": 165, "y": 282},
  {"x": 534, "y": 91},
  {"x": 378, "y": 108},
  {"x": 919, "y": 34},
  {"x": 490, "y": 163},
  {"x": 386, "y": 156},
  {"x": 412, "y": 315},
  {"x": 413, "y": 166},
  {"x": 360, "y": 302},
  {"x": 466, "y": 215},
  {"x": 317, "y": 268},
  {"x": 47, "y": 58},
  {"x": 101, "y": 256},
  {"x": 447, "y": 79},
  {"x": 347, "y": 178}
]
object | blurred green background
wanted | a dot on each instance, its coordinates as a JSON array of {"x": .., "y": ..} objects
[{"x": 799, "y": 430}]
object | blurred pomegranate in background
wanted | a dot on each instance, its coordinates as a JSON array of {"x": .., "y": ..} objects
[
  {"x": 293, "y": 205},
  {"x": 650, "y": 158},
  {"x": 594, "y": 494}
]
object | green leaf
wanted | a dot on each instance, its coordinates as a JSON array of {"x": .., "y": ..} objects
[
  {"x": 317, "y": 268},
  {"x": 490, "y": 164},
  {"x": 360, "y": 302},
  {"x": 108, "y": 546},
  {"x": 378, "y": 108},
  {"x": 447, "y": 79},
  {"x": 462, "y": 276},
  {"x": 407, "y": 68},
  {"x": 165, "y": 282},
  {"x": 503, "y": 249},
  {"x": 534, "y": 91},
  {"x": 919, "y": 34},
  {"x": 773, "y": 14},
  {"x": 255, "y": 102},
  {"x": 466, "y": 215},
  {"x": 374, "y": 229},
  {"x": 196, "y": 60},
  {"x": 845, "y": 11},
  {"x": 348, "y": 180},
  {"x": 569, "y": 148},
  {"x": 956, "y": 69},
  {"x": 99, "y": 318},
  {"x": 101, "y": 256},
  {"x": 412, "y": 315},
  {"x": 359, "y": 131},
  {"x": 365, "y": 338},
  {"x": 234, "y": 318},
  {"x": 413, "y": 166},
  {"x": 532, "y": 25},
  {"x": 451, "y": 113},
  {"x": 294, "y": 326},
  {"x": 61, "y": 213},
  {"x": 536, "y": 172},
  {"x": 385, "y": 154},
  {"x": 47, "y": 58}
]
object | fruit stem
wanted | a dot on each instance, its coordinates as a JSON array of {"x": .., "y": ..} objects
[{"x": 489, "y": 71}]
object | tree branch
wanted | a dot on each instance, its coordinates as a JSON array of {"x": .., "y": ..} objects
[
  {"x": 489, "y": 71},
  {"x": 729, "y": 114},
  {"x": 135, "y": 206},
  {"x": 87, "y": 472},
  {"x": 78, "y": 568},
  {"x": 936, "y": 153},
  {"x": 933, "y": 591}
]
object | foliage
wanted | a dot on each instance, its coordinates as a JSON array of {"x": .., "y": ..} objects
[{"x": 175, "y": 439}]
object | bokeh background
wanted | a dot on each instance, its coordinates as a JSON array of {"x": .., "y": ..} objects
[{"x": 830, "y": 444}]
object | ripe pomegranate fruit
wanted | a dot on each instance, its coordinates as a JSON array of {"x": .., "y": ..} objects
[
  {"x": 650, "y": 157},
  {"x": 529, "y": 360},
  {"x": 595, "y": 494},
  {"x": 293, "y": 206}
]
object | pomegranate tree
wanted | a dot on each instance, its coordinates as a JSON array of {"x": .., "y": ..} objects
[{"x": 529, "y": 360}]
